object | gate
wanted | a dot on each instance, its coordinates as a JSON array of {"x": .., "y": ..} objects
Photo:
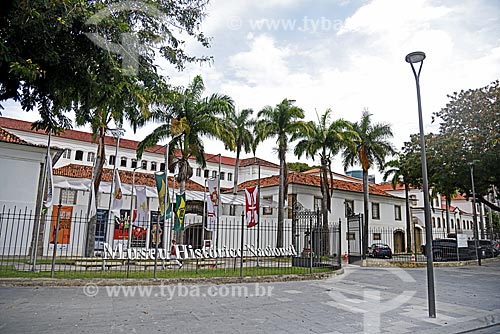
[{"x": 354, "y": 235}]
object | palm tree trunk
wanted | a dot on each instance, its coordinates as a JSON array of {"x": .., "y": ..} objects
[
  {"x": 236, "y": 167},
  {"x": 101, "y": 158},
  {"x": 324, "y": 207},
  {"x": 365, "y": 202},
  {"x": 281, "y": 201},
  {"x": 408, "y": 219}
]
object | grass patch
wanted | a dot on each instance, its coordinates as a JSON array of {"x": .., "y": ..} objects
[{"x": 9, "y": 272}]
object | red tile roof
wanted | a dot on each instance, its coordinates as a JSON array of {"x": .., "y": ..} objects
[
  {"x": 312, "y": 180},
  {"x": 257, "y": 161},
  {"x": 8, "y": 137},
  {"x": 388, "y": 186},
  {"x": 79, "y": 171}
]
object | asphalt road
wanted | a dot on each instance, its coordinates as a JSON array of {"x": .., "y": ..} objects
[{"x": 363, "y": 300}]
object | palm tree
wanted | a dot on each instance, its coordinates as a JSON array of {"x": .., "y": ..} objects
[
  {"x": 240, "y": 125},
  {"x": 372, "y": 147},
  {"x": 325, "y": 139},
  {"x": 187, "y": 112},
  {"x": 281, "y": 122},
  {"x": 399, "y": 171}
]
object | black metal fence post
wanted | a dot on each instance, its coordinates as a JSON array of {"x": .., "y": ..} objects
[
  {"x": 56, "y": 235},
  {"x": 241, "y": 243}
]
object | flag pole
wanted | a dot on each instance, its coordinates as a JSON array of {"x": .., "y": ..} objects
[
  {"x": 40, "y": 205},
  {"x": 218, "y": 205}
]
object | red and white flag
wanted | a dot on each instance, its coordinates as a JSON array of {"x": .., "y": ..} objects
[
  {"x": 252, "y": 206},
  {"x": 212, "y": 203}
]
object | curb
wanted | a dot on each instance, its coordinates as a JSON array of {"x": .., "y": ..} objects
[
  {"x": 388, "y": 264},
  {"x": 69, "y": 282}
]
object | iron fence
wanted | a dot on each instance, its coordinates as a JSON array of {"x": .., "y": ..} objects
[{"x": 68, "y": 244}]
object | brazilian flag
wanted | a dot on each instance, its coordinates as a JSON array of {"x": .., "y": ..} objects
[{"x": 180, "y": 213}]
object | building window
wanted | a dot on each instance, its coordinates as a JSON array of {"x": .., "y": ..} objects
[
  {"x": 377, "y": 236},
  {"x": 79, "y": 155},
  {"x": 413, "y": 200},
  {"x": 317, "y": 203},
  {"x": 229, "y": 176},
  {"x": 123, "y": 162},
  {"x": 133, "y": 163},
  {"x": 67, "y": 154},
  {"x": 433, "y": 222},
  {"x": 68, "y": 196},
  {"x": 464, "y": 224},
  {"x": 222, "y": 174},
  {"x": 375, "y": 211},
  {"x": 452, "y": 224},
  {"x": 153, "y": 166},
  {"x": 351, "y": 236},
  {"x": 439, "y": 222},
  {"x": 232, "y": 210},
  {"x": 349, "y": 208},
  {"x": 214, "y": 174},
  {"x": 267, "y": 210},
  {"x": 162, "y": 166},
  {"x": 91, "y": 157},
  {"x": 205, "y": 173},
  {"x": 198, "y": 172},
  {"x": 144, "y": 164},
  {"x": 112, "y": 160},
  {"x": 397, "y": 212}
]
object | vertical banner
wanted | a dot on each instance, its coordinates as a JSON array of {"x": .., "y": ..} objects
[
  {"x": 162, "y": 189},
  {"x": 180, "y": 212},
  {"x": 50, "y": 183},
  {"x": 63, "y": 236},
  {"x": 117, "y": 194},
  {"x": 212, "y": 203},
  {"x": 141, "y": 218},
  {"x": 251, "y": 206},
  {"x": 154, "y": 237}
]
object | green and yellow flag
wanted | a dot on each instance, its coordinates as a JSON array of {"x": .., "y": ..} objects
[
  {"x": 180, "y": 213},
  {"x": 162, "y": 188}
]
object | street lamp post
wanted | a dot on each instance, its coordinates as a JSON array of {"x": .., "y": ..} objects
[
  {"x": 474, "y": 213},
  {"x": 413, "y": 58}
]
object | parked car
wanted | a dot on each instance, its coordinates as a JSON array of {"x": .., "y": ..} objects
[
  {"x": 446, "y": 250},
  {"x": 485, "y": 248},
  {"x": 380, "y": 250},
  {"x": 496, "y": 246}
]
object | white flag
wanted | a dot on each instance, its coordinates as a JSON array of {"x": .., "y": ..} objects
[
  {"x": 50, "y": 184},
  {"x": 212, "y": 203},
  {"x": 141, "y": 218},
  {"x": 93, "y": 207},
  {"x": 117, "y": 195}
]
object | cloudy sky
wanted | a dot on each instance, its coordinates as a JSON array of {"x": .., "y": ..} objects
[{"x": 344, "y": 55}]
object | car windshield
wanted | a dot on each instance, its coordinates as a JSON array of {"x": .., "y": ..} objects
[{"x": 380, "y": 246}]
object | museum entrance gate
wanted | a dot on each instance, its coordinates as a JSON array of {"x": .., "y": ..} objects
[{"x": 354, "y": 238}]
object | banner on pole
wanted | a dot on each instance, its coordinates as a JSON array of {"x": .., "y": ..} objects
[
  {"x": 180, "y": 212},
  {"x": 251, "y": 206},
  {"x": 141, "y": 219},
  {"x": 50, "y": 183},
  {"x": 117, "y": 195},
  {"x": 212, "y": 203},
  {"x": 162, "y": 189}
]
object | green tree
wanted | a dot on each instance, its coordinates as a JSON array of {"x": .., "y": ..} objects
[
  {"x": 281, "y": 122},
  {"x": 187, "y": 112},
  {"x": 325, "y": 139},
  {"x": 241, "y": 125},
  {"x": 470, "y": 132},
  {"x": 299, "y": 166},
  {"x": 371, "y": 148}
]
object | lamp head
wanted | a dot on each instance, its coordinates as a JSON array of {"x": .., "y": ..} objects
[{"x": 415, "y": 57}]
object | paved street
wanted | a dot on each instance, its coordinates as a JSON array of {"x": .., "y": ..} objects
[{"x": 363, "y": 300}]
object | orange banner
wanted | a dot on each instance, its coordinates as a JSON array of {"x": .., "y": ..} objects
[{"x": 63, "y": 236}]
